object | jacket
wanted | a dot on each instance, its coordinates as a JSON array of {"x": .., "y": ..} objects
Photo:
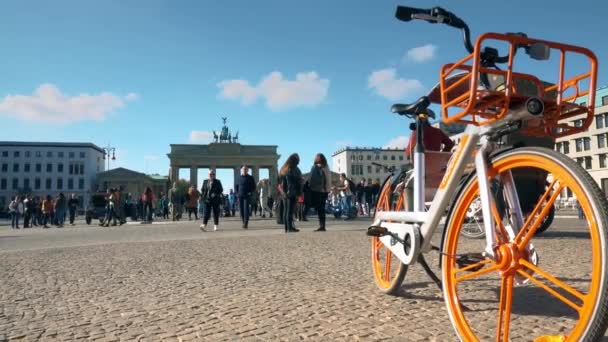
[
  {"x": 246, "y": 186},
  {"x": 212, "y": 192},
  {"x": 320, "y": 179},
  {"x": 292, "y": 182}
]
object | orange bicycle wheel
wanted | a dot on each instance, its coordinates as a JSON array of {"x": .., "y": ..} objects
[
  {"x": 544, "y": 288},
  {"x": 389, "y": 271}
]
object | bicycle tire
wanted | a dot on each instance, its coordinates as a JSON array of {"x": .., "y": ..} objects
[
  {"x": 384, "y": 281},
  {"x": 513, "y": 257}
]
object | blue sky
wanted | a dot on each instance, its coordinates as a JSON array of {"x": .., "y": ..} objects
[{"x": 307, "y": 76}]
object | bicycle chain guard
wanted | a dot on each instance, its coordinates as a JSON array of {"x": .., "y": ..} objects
[{"x": 407, "y": 251}]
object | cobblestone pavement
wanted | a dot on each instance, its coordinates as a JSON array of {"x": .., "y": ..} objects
[{"x": 174, "y": 282}]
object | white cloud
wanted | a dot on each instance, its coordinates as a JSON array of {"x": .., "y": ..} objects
[
  {"x": 385, "y": 84},
  {"x": 421, "y": 54},
  {"x": 201, "y": 136},
  {"x": 280, "y": 94},
  {"x": 344, "y": 143},
  {"x": 49, "y": 104},
  {"x": 398, "y": 142}
]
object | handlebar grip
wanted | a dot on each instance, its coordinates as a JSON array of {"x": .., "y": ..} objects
[{"x": 405, "y": 13}]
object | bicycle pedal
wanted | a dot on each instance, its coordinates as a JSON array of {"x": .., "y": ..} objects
[
  {"x": 377, "y": 231},
  {"x": 469, "y": 259}
]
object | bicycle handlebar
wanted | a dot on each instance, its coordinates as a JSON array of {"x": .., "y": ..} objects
[{"x": 438, "y": 15}]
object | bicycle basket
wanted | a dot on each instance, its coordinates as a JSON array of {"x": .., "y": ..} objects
[{"x": 465, "y": 100}]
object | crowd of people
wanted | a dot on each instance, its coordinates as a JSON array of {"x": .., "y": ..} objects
[
  {"x": 42, "y": 211},
  {"x": 291, "y": 201}
]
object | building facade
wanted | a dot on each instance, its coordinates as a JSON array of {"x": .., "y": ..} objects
[
  {"x": 358, "y": 163},
  {"x": 48, "y": 168},
  {"x": 590, "y": 149},
  {"x": 133, "y": 182}
]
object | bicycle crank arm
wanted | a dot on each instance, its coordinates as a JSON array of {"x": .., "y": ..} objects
[
  {"x": 402, "y": 239},
  {"x": 379, "y": 231}
]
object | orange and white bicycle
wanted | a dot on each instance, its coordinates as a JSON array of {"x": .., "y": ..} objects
[{"x": 564, "y": 297}]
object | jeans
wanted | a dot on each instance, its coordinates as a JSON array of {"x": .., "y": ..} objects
[
  {"x": 209, "y": 207},
  {"x": 60, "y": 216},
  {"x": 346, "y": 206},
  {"x": 148, "y": 210},
  {"x": 290, "y": 207},
  {"x": 244, "y": 209},
  {"x": 15, "y": 219}
]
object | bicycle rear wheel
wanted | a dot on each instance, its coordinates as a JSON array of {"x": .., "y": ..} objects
[
  {"x": 389, "y": 271},
  {"x": 565, "y": 295}
]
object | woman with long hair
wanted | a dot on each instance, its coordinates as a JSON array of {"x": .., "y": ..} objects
[
  {"x": 320, "y": 186},
  {"x": 292, "y": 188}
]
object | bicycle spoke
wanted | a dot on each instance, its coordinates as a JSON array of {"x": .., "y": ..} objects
[
  {"x": 387, "y": 275},
  {"x": 476, "y": 273},
  {"x": 572, "y": 291},
  {"x": 504, "y": 309},
  {"x": 534, "y": 220},
  {"x": 499, "y": 225}
]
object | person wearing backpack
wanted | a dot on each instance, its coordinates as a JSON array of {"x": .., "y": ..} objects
[
  {"x": 320, "y": 186},
  {"x": 292, "y": 188}
]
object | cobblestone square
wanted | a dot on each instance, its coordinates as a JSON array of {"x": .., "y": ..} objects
[{"x": 170, "y": 281}]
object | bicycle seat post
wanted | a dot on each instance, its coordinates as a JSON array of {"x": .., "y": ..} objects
[{"x": 419, "y": 164}]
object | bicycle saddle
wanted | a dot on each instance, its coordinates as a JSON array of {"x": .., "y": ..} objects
[{"x": 418, "y": 107}]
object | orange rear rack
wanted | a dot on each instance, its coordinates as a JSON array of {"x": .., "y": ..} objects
[{"x": 480, "y": 106}]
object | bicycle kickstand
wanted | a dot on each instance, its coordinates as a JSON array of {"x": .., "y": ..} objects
[{"x": 429, "y": 272}]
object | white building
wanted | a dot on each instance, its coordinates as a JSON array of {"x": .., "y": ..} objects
[
  {"x": 48, "y": 168},
  {"x": 356, "y": 162}
]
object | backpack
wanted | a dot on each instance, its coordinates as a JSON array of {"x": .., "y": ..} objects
[
  {"x": 351, "y": 186},
  {"x": 317, "y": 179}
]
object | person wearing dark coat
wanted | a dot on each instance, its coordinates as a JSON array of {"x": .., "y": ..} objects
[
  {"x": 211, "y": 194},
  {"x": 246, "y": 187},
  {"x": 292, "y": 188}
]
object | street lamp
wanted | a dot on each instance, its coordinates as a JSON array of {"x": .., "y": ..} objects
[{"x": 106, "y": 152}]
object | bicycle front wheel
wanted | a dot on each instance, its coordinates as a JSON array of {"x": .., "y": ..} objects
[{"x": 562, "y": 298}]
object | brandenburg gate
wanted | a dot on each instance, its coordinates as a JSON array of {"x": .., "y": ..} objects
[{"x": 225, "y": 152}]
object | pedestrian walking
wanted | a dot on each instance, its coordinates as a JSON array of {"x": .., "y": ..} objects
[
  {"x": 211, "y": 194},
  {"x": 191, "y": 203},
  {"x": 15, "y": 208},
  {"x": 232, "y": 202},
  {"x": 320, "y": 186},
  {"x": 72, "y": 206},
  {"x": 148, "y": 199},
  {"x": 47, "y": 209},
  {"x": 246, "y": 187},
  {"x": 175, "y": 202},
  {"x": 60, "y": 209},
  {"x": 292, "y": 188},
  {"x": 164, "y": 205},
  {"x": 28, "y": 210}
]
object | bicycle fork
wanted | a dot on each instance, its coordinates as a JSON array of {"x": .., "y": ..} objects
[{"x": 488, "y": 203}]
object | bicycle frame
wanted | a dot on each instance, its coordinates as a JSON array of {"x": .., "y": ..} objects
[{"x": 426, "y": 222}]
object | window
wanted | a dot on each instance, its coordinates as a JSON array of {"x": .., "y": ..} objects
[
  {"x": 384, "y": 158},
  {"x": 566, "y": 145},
  {"x": 37, "y": 183},
  {"x": 49, "y": 154},
  {"x": 26, "y": 184},
  {"x": 558, "y": 147},
  {"x": 49, "y": 167},
  {"x": 38, "y": 154},
  {"x": 602, "y": 160},
  {"x": 579, "y": 144},
  {"x": 392, "y": 157},
  {"x": 60, "y": 154},
  {"x": 82, "y": 155},
  {"x": 601, "y": 140},
  {"x": 4, "y": 167},
  {"x": 369, "y": 157},
  {"x": 71, "y": 169},
  {"x": 605, "y": 120},
  {"x": 377, "y": 157},
  {"x": 586, "y": 144},
  {"x": 16, "y": 154},
  {"x": 369, "y": 168},
  {"x": 59, "y": 167},
  {"x": 15, "y": 167},
  {"x": 38, "y": 167},
  {"x": 26, "y": 167},
  {"x": 71, "y": 155},
  {"x": 5, "y": 153},
  {"x": 15, "y": 183},
  {"x": 361, "y": 157},
  {"x": 604, "y": 100},
  {"x": 48, "y": 183},
  {"x": 353, "y": 169},
  {"x": 578, "y": 123},
  {"x": 599, "y": 121},
  {"x": 59, "y": 183},
  {"x": 400, "y": 157},
  {"x": 3, "y": 184},
  {"x": 377, "y": 169},
  {"x": 27, "y": 154},
  {"x": 580, "y": 161},
  {"x": 70, "y": 183},
  {"x": 587, "y": 163}
]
